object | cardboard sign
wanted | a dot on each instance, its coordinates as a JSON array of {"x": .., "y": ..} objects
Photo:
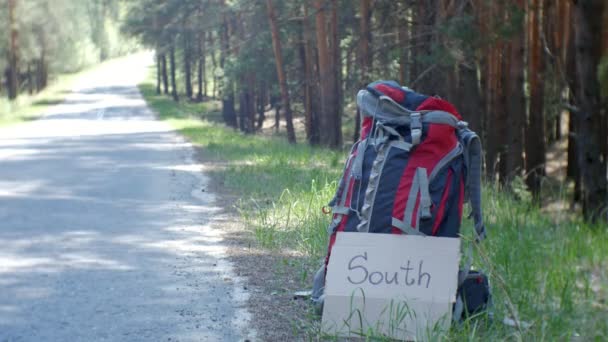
[{"x": 401, "y": 286}]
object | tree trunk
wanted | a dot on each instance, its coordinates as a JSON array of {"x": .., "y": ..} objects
[
  {"x": 164, "y": 73},
  {"x": 311, "y": 80},
  {"x": 551, "y": 36},
  {"x": 467, "y": 97},
  {"x": 331, "y": 134},
  {"x": 307, "y": 99},
  {"x": 187, "y": 66},
  {"x": 605, "y": 33},
  {"x": 30, "y": 79},
  {"x": 172, "y": 67},
  {"x": 428, "y": 80},
  {"x": 261, "y": 104},
  {"x": 251, "y": 110},
  {"x": 278, "y": 56},
  {"x": 364, "y": 40},
  {"x": 276, "y": 103},
  {"x": 466, "y": 92},
  {"x": 364, "y": 55},
  {"x": 516, "y": 103},
  {"x": 572, "y": 171},
  {"x": 13, "y": 54},
  {"x": 243, "y": 106},
  {"x": 37, "y": 75},
  {"x": 158, "y": 73},
  {"x": 245, "y": 84},
  {"x": 501, "y": 117},
  {"x": 588, "y": 22},
  {"x": 228, "y": 111},
  {"x": 558, "y": 126},
  {"x": 403, "y": 37},
  {"x": 479, "y": 9},
  {"x": 416, "y": 30},
  {"x": 535, "y": 135},
  {"x": 495, "y": 124},
  {"x": 41, "y": 71},
  {"x": 336, "y": 66},
  {"x": 228, "y": 108},
  {"x": 201, "y": 68},
  {"x": 203, "y": 64},
  {"x": 214, "y": 65}
]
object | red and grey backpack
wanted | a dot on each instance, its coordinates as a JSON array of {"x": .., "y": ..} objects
[{"x": 410, "y": 172}]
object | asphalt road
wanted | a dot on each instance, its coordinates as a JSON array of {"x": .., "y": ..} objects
[{"x": 106, "y": 230}]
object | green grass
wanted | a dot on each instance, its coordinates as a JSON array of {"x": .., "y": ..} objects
[
  {"x": 29, "y": 107},
  {"x": 550, "y": 271}
]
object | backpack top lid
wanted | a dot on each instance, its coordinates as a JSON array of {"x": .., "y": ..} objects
[
  {"x": 404, "y": 96},
  {"x": 410, "y": 99}
]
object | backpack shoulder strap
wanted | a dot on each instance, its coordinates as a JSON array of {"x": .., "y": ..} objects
[{"x": 473, "y": 157}]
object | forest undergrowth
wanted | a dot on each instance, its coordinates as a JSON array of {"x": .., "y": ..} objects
[{"x": 547, "y": 270}]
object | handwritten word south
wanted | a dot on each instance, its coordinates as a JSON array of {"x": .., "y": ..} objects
[{"x": 407, "y": 275}]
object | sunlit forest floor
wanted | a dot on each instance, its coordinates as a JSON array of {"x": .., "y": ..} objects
[{"x": 547, "y": 269}]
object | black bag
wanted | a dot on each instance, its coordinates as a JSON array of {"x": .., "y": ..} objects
[{"x": 473, "y": 296}]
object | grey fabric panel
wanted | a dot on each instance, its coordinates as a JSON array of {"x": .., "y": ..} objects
[
  {"x": 425, "y": 197},
  {"x": 387, "y": 131},
  {"x": 411, "y": 199},
  {"x": 415, "y": 128},
  {"x": 334, "y": 223},
  {"x": 440, "y": 117},
  {"x": 318, "y": 284},
  {"x": 458, "y": 309},
  {"x": 356, "y": 169},
  {"x": 405, "y": 227},
  {"x": 402, "y": 145},
  {"x": 340, "y": 210},
  {"x": 372, "y": 186}
]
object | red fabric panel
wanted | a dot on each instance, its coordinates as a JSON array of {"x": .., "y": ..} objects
[
  {"x": 433, "y": 103},
  {"x": 439, "y": 141},
  {"x": 395, "y": 94},
  {"x": 366, "y": 126}
]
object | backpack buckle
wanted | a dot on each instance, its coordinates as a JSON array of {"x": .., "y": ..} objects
[{"x": 416, "y": 128}]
